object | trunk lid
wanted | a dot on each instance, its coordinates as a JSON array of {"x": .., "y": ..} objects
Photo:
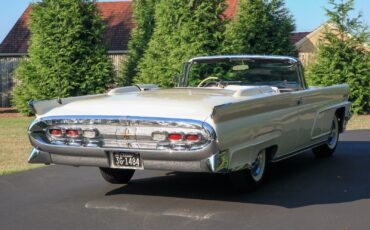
[{"x": 185, "y": 103}]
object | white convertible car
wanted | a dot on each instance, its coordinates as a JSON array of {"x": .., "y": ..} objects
[{"x": 247, "y": 112}]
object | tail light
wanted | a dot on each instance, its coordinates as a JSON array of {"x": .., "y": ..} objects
[
  {"x": 73, "y": 133},
  {"x": 192, "y": 137},
  {"x": 175, "y": 136},
  {"x": 56, "y": 132}
]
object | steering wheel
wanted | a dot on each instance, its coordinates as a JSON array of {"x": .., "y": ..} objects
[{"x": 207, "y": 79}]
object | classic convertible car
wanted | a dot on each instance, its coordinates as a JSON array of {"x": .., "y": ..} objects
[{"x": 229, "y": 114}]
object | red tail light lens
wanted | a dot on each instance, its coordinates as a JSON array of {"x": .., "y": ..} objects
[
  {"x": 175, "y": 136},
  {"x": 56, "y": 132},
  {"x": 72, "y": 133},
  {"x": 192, "y": 137}
]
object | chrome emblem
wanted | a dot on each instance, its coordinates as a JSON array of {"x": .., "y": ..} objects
[{"x": 126, "y": 134}]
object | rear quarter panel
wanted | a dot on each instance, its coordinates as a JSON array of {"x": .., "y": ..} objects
[
  {"x": 318, "y": 109},
  {"x": 247, "y": 127}
]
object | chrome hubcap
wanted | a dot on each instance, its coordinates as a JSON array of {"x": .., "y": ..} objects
[
  {"x": 333, "y": 137},
  {"x": 258, "y": 167}
]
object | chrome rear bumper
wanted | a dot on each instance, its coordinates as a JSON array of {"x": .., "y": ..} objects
[{"x": 208, "y": 159}]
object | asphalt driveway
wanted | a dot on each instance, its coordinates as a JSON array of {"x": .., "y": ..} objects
[{"x": 302, "y": 193}]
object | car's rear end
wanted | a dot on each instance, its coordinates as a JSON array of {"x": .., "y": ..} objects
[
  {"x": 158, "y": 129},
  {"x": 124, "y": 142}
]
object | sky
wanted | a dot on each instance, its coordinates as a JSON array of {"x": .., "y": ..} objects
[{"x": 308, "y": 14}]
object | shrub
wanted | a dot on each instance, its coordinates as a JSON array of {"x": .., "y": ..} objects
[
  {"x": 260, "y": 27},
  {"x": 143, "y": 13},
  {"x": 342, "y": 56},
  {"x": 183, "y": 29},
  {"x": 66, "y": 43}
]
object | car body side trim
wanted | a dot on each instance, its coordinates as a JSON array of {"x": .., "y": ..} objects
[{"x": 296, "y": 152}]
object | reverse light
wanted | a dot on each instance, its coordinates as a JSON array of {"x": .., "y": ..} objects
[
  {"x": 159, "y": 136},
  {"x": 91, "y": 133}
]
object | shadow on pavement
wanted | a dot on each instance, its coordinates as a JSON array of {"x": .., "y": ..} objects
[{"x": 293, "y": 183}]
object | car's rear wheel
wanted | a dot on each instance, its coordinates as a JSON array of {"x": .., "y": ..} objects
[
  {"x": 248, "y": 180},
  {"x": 328, "y": 149},
  {"x": 117, "y": 176}
]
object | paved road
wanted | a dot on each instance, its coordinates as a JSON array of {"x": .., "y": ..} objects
[{"x": 302, "y": 193}]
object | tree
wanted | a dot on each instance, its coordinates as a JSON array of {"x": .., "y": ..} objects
[
  {"x": 66, "y": 43},
  {"x": 143, "y": 13},
  {"x": 183, "y": 29},
  {"x": 260, "y": 27},
  {"x": 342, "y": 56}
]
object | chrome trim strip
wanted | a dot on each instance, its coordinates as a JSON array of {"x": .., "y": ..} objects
[
  {"x": 201, "y": 124},
  {"x": 119, "y": 117},
  {"x": 286, "y": 156},
  {"x": 247, "y": 56},
  {"x": 320, "y": 135}
]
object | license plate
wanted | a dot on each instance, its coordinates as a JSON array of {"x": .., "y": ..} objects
[{"x": 126, "y": 160}]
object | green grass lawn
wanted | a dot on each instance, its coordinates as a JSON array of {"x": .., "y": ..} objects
[
  {"x": 15, "y": 147},
  {"x": 359, "y": 122}
]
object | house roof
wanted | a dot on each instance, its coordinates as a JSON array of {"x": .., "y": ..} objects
[
  {"x": 231, "y": 8},
  {"x": 117, "y": 17},
  {"x": 296, "y": 37},
  {"x": 17, "y": 39}
]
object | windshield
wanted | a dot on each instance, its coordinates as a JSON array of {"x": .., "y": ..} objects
[{"x": 272, "y": 72}]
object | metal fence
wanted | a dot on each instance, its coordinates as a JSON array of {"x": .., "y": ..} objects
[{"x": 7, "y": 67}]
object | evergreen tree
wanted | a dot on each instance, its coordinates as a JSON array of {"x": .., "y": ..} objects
[
  {"x": 260, "y": 27},
  {"x": 183, "y": 29},
  {"x": 342, "y": 55},
  {"x": 66, "y": 42},
  {"x": 143, "y": 13}
]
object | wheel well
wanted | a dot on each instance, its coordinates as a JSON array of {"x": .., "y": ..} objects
[
  {"x": 340, "y": 113},
  {"x": 271, "y": 151}
]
